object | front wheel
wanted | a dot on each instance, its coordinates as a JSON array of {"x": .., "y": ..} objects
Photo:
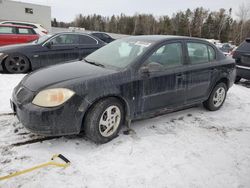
[
  {"x": 16, "y": 64},
  {"x": 104, "y": 120},
  {"x": 216, "y": 98}
]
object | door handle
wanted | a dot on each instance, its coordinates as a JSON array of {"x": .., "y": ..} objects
[{"x": 180, "y": 76}]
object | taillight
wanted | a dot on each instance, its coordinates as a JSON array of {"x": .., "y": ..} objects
[{"x": 45, "y": 32}]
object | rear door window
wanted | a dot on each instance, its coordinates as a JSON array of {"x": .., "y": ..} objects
[
  {"x": 212, "y": 54},
  {"x": 7, "y": 30},
  {"x": 26, "y": 31},
  {"x": 87, "y": 40},
  {"x": 197, "y": 52}
]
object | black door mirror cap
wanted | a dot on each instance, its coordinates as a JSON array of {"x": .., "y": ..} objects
[
  {"x": 151, "y": 68},
  {"x": 154, "y": 67},
  {"x": 49, "y": 44}
]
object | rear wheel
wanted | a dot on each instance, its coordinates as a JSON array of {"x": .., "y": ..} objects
[
  {"x": 217, "y": 97},
  {"x": 16, "y": 64},
  {"x": 104, "y": 120}
]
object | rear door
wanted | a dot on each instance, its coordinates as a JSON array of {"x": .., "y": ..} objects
[
  {"x": 8, "y": 35},
  {"x": 25, "y": 35},
  {"x": 200, "y": 72},
  {"x": 87, "y": 45}
]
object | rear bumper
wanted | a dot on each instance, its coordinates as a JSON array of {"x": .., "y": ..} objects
[{"x": 243, "y": 71}]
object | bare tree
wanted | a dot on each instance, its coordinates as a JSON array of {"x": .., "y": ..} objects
[{"x": 243, "y": 14}]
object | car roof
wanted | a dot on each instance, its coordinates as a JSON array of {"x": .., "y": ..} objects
[
  {"x": 160, "y": 38},
  {"x": 70, "y": 32},
  {"x": 12, "y": 25},
  {"x": 98, "y": 32},
  {"x": 20, "y": 22},
  {"x": 79, "y": 33}
]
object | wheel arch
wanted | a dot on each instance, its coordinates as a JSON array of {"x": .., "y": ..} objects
[
  {"x": 120, "y": 98},
  {"x": 223, "y": 80},
  {"x": 2, "y": 62}
]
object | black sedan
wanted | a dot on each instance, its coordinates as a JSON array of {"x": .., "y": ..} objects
[
  {"x": 130, "y": 78},
  {"x": 46, "y": 51}
]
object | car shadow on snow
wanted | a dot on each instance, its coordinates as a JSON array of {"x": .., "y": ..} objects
[{"x": 245, "y": 83}]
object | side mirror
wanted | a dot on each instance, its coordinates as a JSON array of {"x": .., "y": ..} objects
[
  {"x": 151, "y": 68},
  {"x": 49, "y": 44}
]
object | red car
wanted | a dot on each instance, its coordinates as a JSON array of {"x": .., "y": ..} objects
[{"x": 16, "y": 34}]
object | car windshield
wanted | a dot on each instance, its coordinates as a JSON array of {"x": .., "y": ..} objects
[
  {"x": 41, "y": 39},
  {"x": 119, "y": 53}
]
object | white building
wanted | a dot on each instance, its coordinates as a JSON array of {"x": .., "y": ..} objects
[{"x": 25, "y": 12}]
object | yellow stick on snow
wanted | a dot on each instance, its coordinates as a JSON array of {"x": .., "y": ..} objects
[{"x": 50, "y": 163}]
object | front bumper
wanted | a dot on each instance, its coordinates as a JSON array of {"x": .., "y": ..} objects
[
  {"x": 243, "y": 71},
  {"x": 62, "y": 120}
]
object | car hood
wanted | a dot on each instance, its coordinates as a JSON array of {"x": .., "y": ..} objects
[
  {"x": 45, "y": 77},
  {"x": 16, "y": 47}
]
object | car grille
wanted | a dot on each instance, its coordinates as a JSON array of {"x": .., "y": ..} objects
[{"x": 22, "y": 94}]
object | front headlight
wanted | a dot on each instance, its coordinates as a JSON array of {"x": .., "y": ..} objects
[{"x": 52, "y": 97}]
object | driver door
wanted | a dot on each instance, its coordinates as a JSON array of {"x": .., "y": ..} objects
[{"x": 163, "y": 79}]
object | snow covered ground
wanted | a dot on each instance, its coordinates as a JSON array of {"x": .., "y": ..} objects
[{"x": 191, "y": 148}]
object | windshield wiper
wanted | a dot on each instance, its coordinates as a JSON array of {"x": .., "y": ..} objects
[{"x": 94, "y": 63}]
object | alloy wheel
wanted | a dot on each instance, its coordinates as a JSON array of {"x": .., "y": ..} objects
[
  {"x": 219, "y": 96},
  {"x": 109, "y": 121},
  {"x": 16, "y": 64}
]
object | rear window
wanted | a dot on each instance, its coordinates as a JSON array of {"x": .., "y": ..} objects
[
  {"x": 244, "y": 46},
  {"x": 7, "y": 30}
]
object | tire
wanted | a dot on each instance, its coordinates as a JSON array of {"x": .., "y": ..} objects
[
  {"x": 16, "y": 64},
  {"x": 104, "y": 120},
  {"x": 217, "y": 97},
  {"x": 237, "y": 79}
]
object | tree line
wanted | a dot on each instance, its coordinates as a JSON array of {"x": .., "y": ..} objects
[{"x": 200, "y": 22}]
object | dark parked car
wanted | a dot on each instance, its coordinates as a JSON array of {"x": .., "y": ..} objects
[
  {"x": 16, "y": 34},
  {"x": 47, "y": 51},
  {"x": 103, "y": 36},
  {"x": 130, "y": 78},
  {"x": 227, "y": 48},
  {"x": 242, "y": 59}
]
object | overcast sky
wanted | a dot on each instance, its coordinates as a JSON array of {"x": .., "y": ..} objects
[{"x": 66, "y": 10}]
